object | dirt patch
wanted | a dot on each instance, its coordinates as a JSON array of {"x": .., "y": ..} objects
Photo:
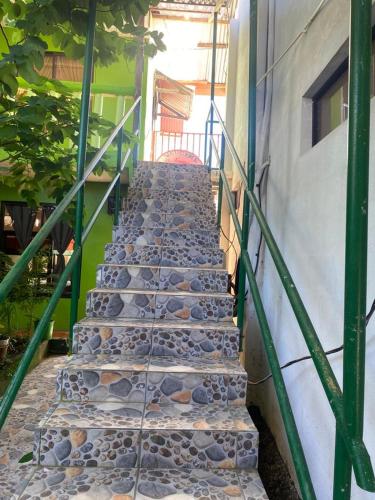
[{"x": 272, "y": 469}]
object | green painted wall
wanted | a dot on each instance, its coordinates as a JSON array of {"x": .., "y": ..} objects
[
  {"x": 122, "y": 74},
  {"x": 93, "y": 250}
]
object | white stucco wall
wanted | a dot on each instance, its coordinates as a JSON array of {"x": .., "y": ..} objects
[{"x": 306, "y": 212}]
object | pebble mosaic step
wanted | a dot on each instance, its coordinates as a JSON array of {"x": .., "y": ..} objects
[
  {"x": 153, "y": 255},
  {"x": 170, "y": 167},
  {"x": 159, "y": 338},
  {"x": 151, "y": 304},
  {"x": 66, "y": 483},
  {"x": 152, "y": 403},
  {"x": 139, "y": 379},
  {"x": 166, "y": 237},
  {"x": 162, "y": 278},
  {"x": 169, "y": 207},
  {"x": 127, "y": 435},
  {"x": 166, "y": 194},
  {"x": 150, "y": 220},
  {"x": 176, "y": 183}
]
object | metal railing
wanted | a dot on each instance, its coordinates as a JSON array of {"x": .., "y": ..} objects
[
  {"x": 193, "y": 142},
  {"x": 354, "y": 446},
  {"x": 16, "y": 272},
  {"x": 348, "y": 404}
]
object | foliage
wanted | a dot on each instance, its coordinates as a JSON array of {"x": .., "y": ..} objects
[
  {"x": 8, "y": 307},
  {"x": 36, "y": 288},
  {"x": 39, "y": 128},
  {"x": 47, "y": 127}
]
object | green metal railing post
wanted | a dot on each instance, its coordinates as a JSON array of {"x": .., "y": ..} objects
[
  {"x": 139, "y": 72},
  {"x": 81, "y": 159},
  {"x": 19, "y": 267},
  {"x": 220, "y": 194},
  {"x": 120, "y": 139},
  {"x": 253, "y": 50},
  {"x": 356, "y": 239},
  {"x": 213, "y": 81}
]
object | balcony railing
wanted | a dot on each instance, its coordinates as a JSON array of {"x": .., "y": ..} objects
[{"x": 192, "y": 142}]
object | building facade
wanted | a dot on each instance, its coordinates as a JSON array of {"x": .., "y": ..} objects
[{"x": 302, "y": 168}]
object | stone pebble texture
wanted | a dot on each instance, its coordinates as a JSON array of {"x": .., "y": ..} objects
[{"x": 151, "y": 405}]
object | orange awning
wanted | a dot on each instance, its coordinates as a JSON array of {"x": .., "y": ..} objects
[{"x": 176, "y": 99}]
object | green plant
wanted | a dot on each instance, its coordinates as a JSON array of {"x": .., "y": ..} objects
[
  {"x": 8, "y": 307},
  {"x": 36, "y": 287},
  {"x": 39, "y": 128}
]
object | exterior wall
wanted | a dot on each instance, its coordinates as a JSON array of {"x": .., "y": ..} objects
[
  {"x": 305, "y": 207},
  {"x": 182, "y": 61}
]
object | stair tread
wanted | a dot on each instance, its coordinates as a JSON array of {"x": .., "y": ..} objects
[
  {"x": 94, "y": 415},
  {"x": 157, "y": 266},
  {"x": 148, "y": 416},
  {"x": 196, "y": 325},
  {"x": 107, "y": 362},
  {"x": 145, "y": 484},
  {"x": 166, "y": 293}
]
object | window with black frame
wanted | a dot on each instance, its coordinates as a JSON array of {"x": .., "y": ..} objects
[
  {"x": 20, "y": 223},
  {"x": 331, "y": 102}
]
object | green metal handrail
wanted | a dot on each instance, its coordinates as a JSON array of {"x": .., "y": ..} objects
[
  {"x": 19, "y": 267},
  {"x": 15, "y": 273},
  {"x": 294, "y": 440},
  {"x": 354, "y": 446}
]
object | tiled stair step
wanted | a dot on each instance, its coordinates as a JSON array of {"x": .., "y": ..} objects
[
  {"x": 179, "y": 182},
  {"x": 166, "y": 237},
  {"x": 152, "y": 379},
  {"x": 202, "y": 215},
  {"x": 203, "y": 197},
  {"x": 170, "y": 167},
  {"x": 159, "y": 338},
  {"x": 128, "y": 435},
  {"x": 143, "y": 484},
  {"x": 196, "y": 257},
  {"x": 169, "y": 207},
  {"x": 175, "y": 172},
  {"x": 170, "y": 221},
  {"x": 150, "y": 304},
  {"x": 162, "y": 278}
]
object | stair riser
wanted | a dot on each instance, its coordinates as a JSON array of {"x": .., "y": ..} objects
[
  {"x": 148, "y": 449},
  {"x": 168, "y": 207},
  {"x": 171, "y": 168},
  {"x": 184, "y": 184},
  {"x": 154, "y": 306},
  {"x": 155, "y": 220},
  {"x": 164, "y": 256},
  {"x": 151, "y": 387},
  {"x": 157, "y": 341},
  {"x": 100, "y": 447},
  {"x": 164, "y": 194},
  {"x": 166, "y": 237},
  {"x": 154, "y": 278}
]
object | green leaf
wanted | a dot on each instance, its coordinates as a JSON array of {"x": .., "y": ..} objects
[{"x": 26, "y": 458}]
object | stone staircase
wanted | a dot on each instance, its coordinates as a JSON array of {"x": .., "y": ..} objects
[{"x": 152, "y": 403}]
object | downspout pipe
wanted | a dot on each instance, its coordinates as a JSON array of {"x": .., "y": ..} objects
[{"x": 356, "y": 247}]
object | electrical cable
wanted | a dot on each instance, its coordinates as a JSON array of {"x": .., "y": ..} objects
[
  {"x": 305, "y": 358},
  {"x": 291, "y": 45},
  {"x": 370, "y": 313},
  {"x": 259, "y": 186},
  {"x": 293, "y": 362}
]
